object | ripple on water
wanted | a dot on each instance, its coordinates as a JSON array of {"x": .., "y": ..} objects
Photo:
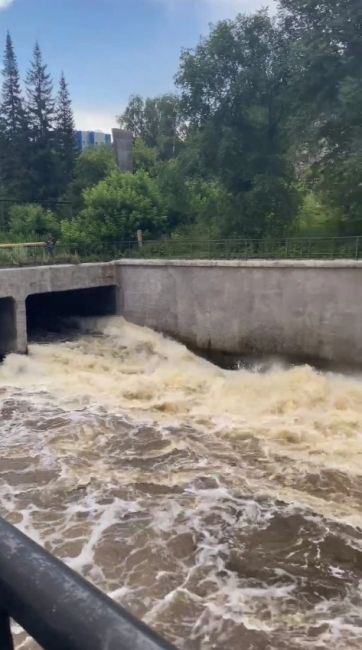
[{"x": 232, "y": 523}]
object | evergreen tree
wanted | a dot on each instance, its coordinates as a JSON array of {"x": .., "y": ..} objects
[
  {"x": 64, "y": 135},
  {"x": 40, "y": 111},
  {"x": 13, "y": 128},
  {"x": 12, "y": 110},
  {"x": 40, "y": 105}
]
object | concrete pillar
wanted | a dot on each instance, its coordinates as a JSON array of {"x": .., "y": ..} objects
[
  {"x": 8, "y": 335},
  {"x": 123, "y": 148},
  {"x": 119, "y": 290},
  {"x": 21, "y": 345}
]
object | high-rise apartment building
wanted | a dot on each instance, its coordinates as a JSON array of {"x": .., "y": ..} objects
[{"x": 87, "y": 139}]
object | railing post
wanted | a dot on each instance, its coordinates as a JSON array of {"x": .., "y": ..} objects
[
  {"x": 357, "y": 249},
  {"x": 6, "y": 639}
]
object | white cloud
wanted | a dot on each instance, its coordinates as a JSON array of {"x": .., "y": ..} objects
[
  {"x": 95, "y": 120},
  {"x": 5, "y": 3}
]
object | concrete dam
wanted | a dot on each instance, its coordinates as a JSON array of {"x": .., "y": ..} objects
[
  {"x": 307, "y": 310},
  {"x": 219, "y": 502}
]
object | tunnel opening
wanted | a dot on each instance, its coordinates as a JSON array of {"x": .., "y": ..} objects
[
  {"x": 7, "y": 326},
  {"x": 49, "y": 313}
]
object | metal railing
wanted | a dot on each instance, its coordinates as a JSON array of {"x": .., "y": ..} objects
[
  {"x": 287, "y": 248},
  {"x": 244, "y": 249},
  {"x": 58, "y": 608}
]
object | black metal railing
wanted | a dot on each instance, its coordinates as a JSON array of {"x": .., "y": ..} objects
[
  {"x": 315, "y": 248},
  {"x": 58, "y": 608}
]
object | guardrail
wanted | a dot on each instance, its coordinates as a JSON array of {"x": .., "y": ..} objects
[
  {"x": 59, "y": 608},
  {"x": 289, "y": 248}
]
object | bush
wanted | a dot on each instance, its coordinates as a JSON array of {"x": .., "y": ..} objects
[
  {"x": 315, "y": 219},
  {"x": 116, "y": 208},
  {"x": 30, "y": 222}
]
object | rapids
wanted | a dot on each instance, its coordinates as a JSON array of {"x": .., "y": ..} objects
[{"x": 224, "y": 507}]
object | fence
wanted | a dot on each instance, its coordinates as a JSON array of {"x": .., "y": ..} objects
[
  {"x": 289, "y": 248},
  {"x": 57, "y": 607},
  {"x": 228, "y": 249}
]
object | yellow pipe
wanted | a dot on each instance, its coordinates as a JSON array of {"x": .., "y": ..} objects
[{"x": 27, "y": 245}]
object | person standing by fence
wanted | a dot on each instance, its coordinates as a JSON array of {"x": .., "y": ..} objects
[{"x": 50, "y": 245}]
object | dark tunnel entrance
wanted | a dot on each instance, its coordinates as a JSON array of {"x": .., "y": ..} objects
[
  {"x": 7, "y": 326},
  {"x": 45, "y": 312}
]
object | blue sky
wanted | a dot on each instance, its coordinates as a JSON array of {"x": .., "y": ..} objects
[{"x": 110, "y": 49}]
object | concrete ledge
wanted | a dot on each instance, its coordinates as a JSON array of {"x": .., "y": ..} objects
[{"x": 274, "y": 264}]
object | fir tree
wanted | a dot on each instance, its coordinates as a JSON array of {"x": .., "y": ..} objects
[
  {"x": 40, "y": 104},
  {"x": 40, "y": 110},
  {"x": 65, "y": 134},
  {"x": 13, "y": 128},
  {"x": 12, "y": 110}
]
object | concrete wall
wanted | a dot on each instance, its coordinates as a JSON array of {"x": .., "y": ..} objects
[
  {"x": 19, "y": 284},
  {"x": 310, "y": 310}
]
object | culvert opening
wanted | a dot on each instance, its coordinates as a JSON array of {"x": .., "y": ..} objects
[
  {"x": 50, "y": 313},
  {"x": 7, "y": 326}
]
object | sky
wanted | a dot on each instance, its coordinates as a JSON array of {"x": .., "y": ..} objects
[{"x": 111, "y": 49}]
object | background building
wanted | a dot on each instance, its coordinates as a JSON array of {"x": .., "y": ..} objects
[
  {"x": 87, "y": 139},
  {"x": 123, "y": 149}
]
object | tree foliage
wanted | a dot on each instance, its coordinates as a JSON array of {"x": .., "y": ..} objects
[
  {"x": 263, "y": 139},
  {"x": 234, "y": 94},
  {"x": 13, "y": 128},
  {"x": 326, "y": 37},
  {"x": 37, "y": 140},
  {"x": 92, "y": 166},
  {"x": 40, "y": 107},
  {"x": 116, "y": 208},
  {"x": 31, "y": 222},
  {"x": 64, "y": 135},
  {"x": 155, "y": 121}
]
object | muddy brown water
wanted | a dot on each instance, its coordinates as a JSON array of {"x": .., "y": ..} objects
[{"x": 223, "y": 507}]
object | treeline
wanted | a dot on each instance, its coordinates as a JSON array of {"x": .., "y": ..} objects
[
  {"x": 263, "y": 139},
  {"x": 37, "y": 140}
]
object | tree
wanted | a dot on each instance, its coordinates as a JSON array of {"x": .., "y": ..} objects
[
  {"x": 116, "y": 208},
  {"x": 92, "y": 166},
  {"x": 156, "y": 121},
  {"x": 327, "y": 92},
  {"x": 133, "y": 117},
  {"x": 13, "y": 127},
  {"x": 40, "y": 110},
  {"x": 65, "y": 135},
  {"x": 145, "y": 157},
  {"x": 40, "y": 105},
  {"x": 12, "y": 110},
  {"x": 234, "y": 96}
]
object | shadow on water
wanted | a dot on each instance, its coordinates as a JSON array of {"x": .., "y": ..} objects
[{"x": 264, "y": 363}]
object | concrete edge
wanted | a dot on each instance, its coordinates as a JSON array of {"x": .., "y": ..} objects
[
  {"x": 313, "y": 264},
  {"x": 36, "y": 267}
]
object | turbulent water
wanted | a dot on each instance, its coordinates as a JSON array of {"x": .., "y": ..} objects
[{"x": 223, "y": 507}]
